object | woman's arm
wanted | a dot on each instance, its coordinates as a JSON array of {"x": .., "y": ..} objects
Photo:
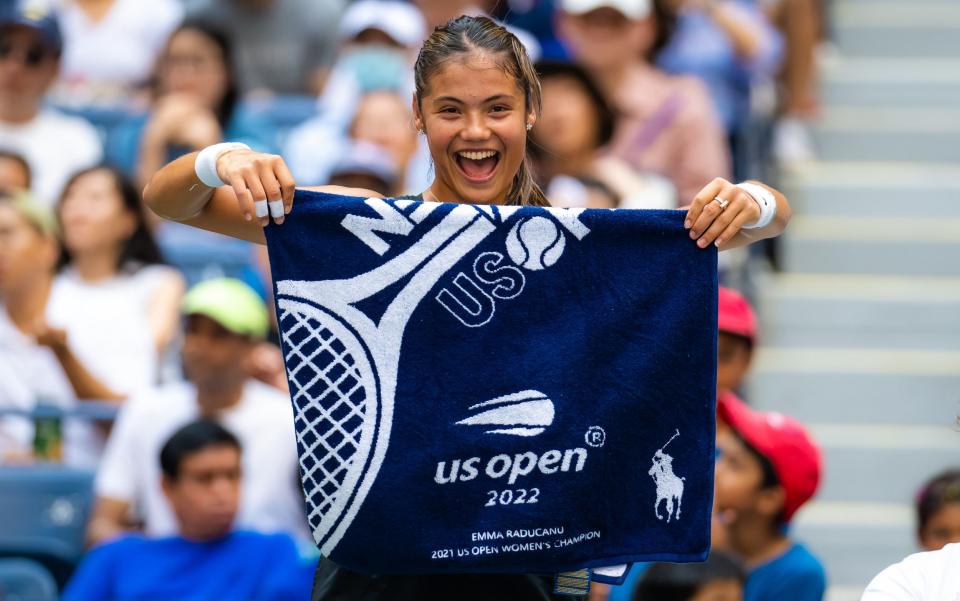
[
  {"x": 709, "y": 224},
  {"x": 176, "y": 193},
  {"x": 176, "y": 119},
  {"x": 163, "y": 312},
  {"x": 85, "y": 385},
  {"x": 745, "y": 36}
]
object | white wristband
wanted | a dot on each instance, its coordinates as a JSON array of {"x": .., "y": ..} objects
[
  {"x": 206, "y": 163},
  {"x": 765, "y": 200}
]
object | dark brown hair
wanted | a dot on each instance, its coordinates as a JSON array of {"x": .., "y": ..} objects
[
  {"x": 603, "y": 111},
  {"x": 231, "y": 96},
  {"x": 137, "y": 251},
  {"x": 942, "y": 489},
  {"x": 467, "y": 35},
  {"x": 665, "y": 17}
]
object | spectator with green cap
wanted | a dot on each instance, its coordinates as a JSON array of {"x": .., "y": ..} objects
[
  {"x": 224, "y": 320},
  {"x": 37, "y": 363}
]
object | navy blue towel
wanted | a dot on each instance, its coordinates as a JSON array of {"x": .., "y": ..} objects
[{"x": 498, "y": 389}]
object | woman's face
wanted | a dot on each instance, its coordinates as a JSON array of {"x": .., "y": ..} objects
[
  {"x": 24, "y": 252},
  {"x": 384, "y": 119},
  {"x": 92, "y": 214},
  {"x": 605, "y": 37},
  {"x": 475, "y": 119},
  {"x": 193, "y": 64},
  {"x": 568, "y": 121}
]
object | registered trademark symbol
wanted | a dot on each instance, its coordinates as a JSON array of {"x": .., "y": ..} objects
[{"x": 595, "y": 436}]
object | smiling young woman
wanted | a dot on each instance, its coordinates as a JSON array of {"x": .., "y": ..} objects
[{"x": 477, "y": 97}]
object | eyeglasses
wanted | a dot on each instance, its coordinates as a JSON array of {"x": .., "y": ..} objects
[{"x": 31, "y": 56}]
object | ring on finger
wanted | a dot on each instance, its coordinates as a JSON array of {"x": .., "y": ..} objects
[{"x": 723, "y": 203}]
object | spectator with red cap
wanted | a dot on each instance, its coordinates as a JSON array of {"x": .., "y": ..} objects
[
  {"x": 767, "y": 468},
  {"x": 738, "y": 335}
]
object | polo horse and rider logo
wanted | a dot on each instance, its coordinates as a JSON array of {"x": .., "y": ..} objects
[{"x": 669, "y": 485}]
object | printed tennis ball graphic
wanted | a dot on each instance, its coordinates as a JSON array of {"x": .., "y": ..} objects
[{"x": 535, "y": 243}]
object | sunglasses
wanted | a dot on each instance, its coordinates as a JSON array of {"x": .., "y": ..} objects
[{"x": 30, "y": 56}]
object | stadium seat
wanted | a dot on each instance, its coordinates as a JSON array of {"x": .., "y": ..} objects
[
  {"x": 44, "y": 511},
  {"x": 283, "y": 113},
  {"x": 103, "y": 118},
  {"x": 26, "y": 580}
]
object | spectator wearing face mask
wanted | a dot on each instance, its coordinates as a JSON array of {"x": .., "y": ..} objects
[
  {"x": 367, "y": 98},
  {"x": 55, "y": 145},
  {"x": 667, "y": 124}
]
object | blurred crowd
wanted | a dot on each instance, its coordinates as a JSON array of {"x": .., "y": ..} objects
[{"x": 644, "y": 102}]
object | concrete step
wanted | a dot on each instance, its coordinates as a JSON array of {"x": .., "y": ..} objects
[
  {"x": 802, "y": 310},
  {"x": 920, "y": 246},
  {"x": 927, "y": 82},
  {"x": 897, "y": 29},
  {"x": 853, "y": 188},
  {"x": 885, "y": 463},
  {"x": 856, "y": 541},
  {"x": 851, "y": 133},
  {"x": 858, "y": 385}
]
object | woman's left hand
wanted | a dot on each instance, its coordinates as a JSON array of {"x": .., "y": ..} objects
[
  {"x": 713, "y": 222},
  {"x": 48, "y": 336}
]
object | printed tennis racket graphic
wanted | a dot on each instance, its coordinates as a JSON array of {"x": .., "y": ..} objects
[{"x": 342, "y": 366}]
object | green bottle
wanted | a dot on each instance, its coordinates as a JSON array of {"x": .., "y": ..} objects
[{"x": 48, "y": 438}]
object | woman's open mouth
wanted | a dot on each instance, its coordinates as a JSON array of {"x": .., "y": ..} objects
[{"x": 478, "y": 166}]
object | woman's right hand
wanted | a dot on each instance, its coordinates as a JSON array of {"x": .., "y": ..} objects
[{"x": 262, "y": 183}]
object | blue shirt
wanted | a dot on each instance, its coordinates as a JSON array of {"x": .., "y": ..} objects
[
  {"x": 624, "y": 592},
  {"x": 243, "y": 566},
  {"x": 794, "y": 576}
]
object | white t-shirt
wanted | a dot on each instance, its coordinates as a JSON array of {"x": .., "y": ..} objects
[
  {"x": 103, "y": 59},
  {"x": 55, "y": 146},
  {"x": 107, "y": 324},
  {"x": 30, "y": 374},
  {"x": 931, "y": 576},
  {"x": 271, "y": 499}
]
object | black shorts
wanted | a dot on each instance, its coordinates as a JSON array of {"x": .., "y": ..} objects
[{"x": 333, "y": 583}]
